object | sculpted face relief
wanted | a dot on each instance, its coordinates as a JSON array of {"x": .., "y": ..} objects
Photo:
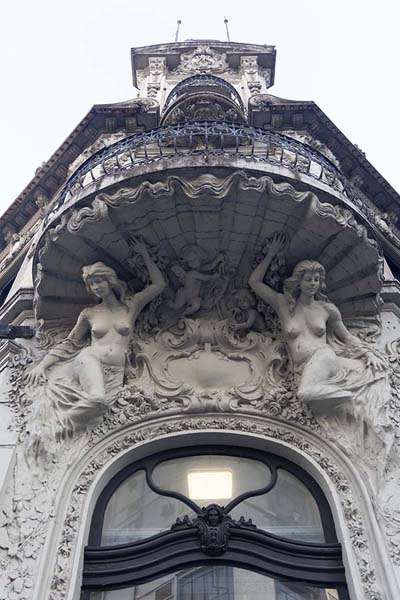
[{"x": 310, "y": 283}]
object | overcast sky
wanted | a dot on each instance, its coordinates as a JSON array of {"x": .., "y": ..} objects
[{"x": 59, "y": 57}]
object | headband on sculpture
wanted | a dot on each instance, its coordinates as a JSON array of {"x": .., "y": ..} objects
[{"x": 98, "y": 268}]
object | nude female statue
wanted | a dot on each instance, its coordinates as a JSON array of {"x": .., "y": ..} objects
[
  {"x": 90, "y": 373},
  {"x": 308, "y": 321}
]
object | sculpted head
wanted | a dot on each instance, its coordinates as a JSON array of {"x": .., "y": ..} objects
[
  {"x": 97, "y": 274},
  {"x": 244, "y": 299},
  {"x": 308, "y": 277},
  {"x": 214, "y": 515},
  {"x": 194, "y": 256}
]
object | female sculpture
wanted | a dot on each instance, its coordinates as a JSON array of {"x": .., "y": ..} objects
[
  {"x": 82, "y": 386},
  {"x": 325, "y": 355}
]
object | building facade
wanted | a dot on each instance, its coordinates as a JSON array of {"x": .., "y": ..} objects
[{"x": 200, "y": 360}]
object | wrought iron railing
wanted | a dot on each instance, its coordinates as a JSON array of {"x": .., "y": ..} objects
[
  {"x": 219, "y": 139},
  {"x": 204, "y": 83}
]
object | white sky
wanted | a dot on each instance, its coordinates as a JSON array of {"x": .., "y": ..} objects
[{"x": 59, "y": 57}]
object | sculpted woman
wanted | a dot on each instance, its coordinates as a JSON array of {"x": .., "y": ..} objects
[
  {"x": 79, "y": 377},
  {"x": 330, "y": 364}
]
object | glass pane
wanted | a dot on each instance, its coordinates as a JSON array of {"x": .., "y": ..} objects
[
  {"x": 211, "y": 478},
  {"x": 135, "y": 512},
  {"x": 288, "y": 510},
  {"x": 217, "y": 583}
]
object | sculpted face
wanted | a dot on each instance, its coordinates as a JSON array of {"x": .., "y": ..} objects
[
  {"x": 99, "y": 286},
  {"x": 310, "y": 283},
  {"x": 243, "y": 302},
  {"x": 193, "y": 261},
  {"x": 213, "y": 517}
]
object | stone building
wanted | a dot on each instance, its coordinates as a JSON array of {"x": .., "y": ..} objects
[{"x": 199, "y": 356}]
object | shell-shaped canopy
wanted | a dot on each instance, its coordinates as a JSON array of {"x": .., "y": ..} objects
[{"x": 232, "y": 214}]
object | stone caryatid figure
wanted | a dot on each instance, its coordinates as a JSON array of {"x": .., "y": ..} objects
[
  {"x": 330, "y": 364},
  {"x": 76, "y": 381}
]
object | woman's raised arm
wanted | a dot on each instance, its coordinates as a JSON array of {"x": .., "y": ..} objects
[
  {"x": 256, "y": 280},
  {"x": 157, "y": 280}
]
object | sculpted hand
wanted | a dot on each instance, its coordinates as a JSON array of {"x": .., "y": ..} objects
[
  {"x": 138, "y": 246},
  {"x": 376, "y": 363},
  {"x": 278, "y": 242},
  {"x": 36, "y": 376}
]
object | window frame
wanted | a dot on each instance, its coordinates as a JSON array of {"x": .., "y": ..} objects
[{"x": 318, "y": 564}]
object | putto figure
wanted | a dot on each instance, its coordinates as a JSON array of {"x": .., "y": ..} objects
[
  {"x": 331, "y": 365},
  {"x": 199, "y": 270},
  {"x": 244, "y": 315},
  {"x": 79, "y": 377}
]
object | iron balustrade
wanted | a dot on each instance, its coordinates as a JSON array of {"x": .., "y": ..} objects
[
  {"x": 203, "y": 139},
  {"x": 204, "y": 83}
]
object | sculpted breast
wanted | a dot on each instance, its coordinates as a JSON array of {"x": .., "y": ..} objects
[
  {"x": 292, "y": 332},
  {"x": 98, "y": 331},
  {"x": 122, "y": 328}
]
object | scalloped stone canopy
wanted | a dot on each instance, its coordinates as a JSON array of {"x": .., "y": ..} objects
[{"x": 233, "y": 214}]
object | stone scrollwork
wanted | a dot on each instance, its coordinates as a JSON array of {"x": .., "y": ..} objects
[
  {"x": 202, "y": 108},
  {"x": 202, "y": 60}
]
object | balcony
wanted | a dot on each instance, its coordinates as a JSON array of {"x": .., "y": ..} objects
[
  {"x": 204, "y": 84},
  {"x": 172, "y": 144}
]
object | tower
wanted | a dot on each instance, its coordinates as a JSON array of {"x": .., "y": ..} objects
[{"x": 201, "y": 375}]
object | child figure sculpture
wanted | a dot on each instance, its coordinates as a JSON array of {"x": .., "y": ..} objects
[
  {"x": 244, "y": 314},
  {"x": 189, "y": 295}
]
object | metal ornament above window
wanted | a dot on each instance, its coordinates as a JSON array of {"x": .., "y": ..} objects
[
  {"x": 213, "y": 525},
  {"x": 212, "y": 534}
]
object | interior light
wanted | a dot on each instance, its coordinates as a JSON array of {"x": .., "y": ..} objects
[{"x": 210, "y": 485}]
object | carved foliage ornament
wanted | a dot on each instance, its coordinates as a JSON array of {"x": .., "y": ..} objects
[{"x": 202, "y": 60}]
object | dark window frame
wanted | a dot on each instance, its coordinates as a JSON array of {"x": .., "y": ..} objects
[{"x": 124, "y": 565}]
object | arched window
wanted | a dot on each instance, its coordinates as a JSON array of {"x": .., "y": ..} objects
[{"x": 213, "y": 523}]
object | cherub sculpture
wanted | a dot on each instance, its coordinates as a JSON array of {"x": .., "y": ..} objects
[
  {"x": 199, "y": 271},
  {"x": 244, "y": 315}
]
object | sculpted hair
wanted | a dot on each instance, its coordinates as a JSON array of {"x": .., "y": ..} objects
[
  {"x": 99, "y": 269},
  {"x": 291, "y": 285}
]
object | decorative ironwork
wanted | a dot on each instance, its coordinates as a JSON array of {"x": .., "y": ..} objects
[
  {"x": 203, "y": 139},
  {"x": 204, "y": 83}
]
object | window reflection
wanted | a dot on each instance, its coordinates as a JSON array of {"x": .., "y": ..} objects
[
  {"x": 289, "y": 510},
  {"x": 211, "y": 478},
  {"x": 217, "y": 583},
  {"x": 135, "y": 512}
]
